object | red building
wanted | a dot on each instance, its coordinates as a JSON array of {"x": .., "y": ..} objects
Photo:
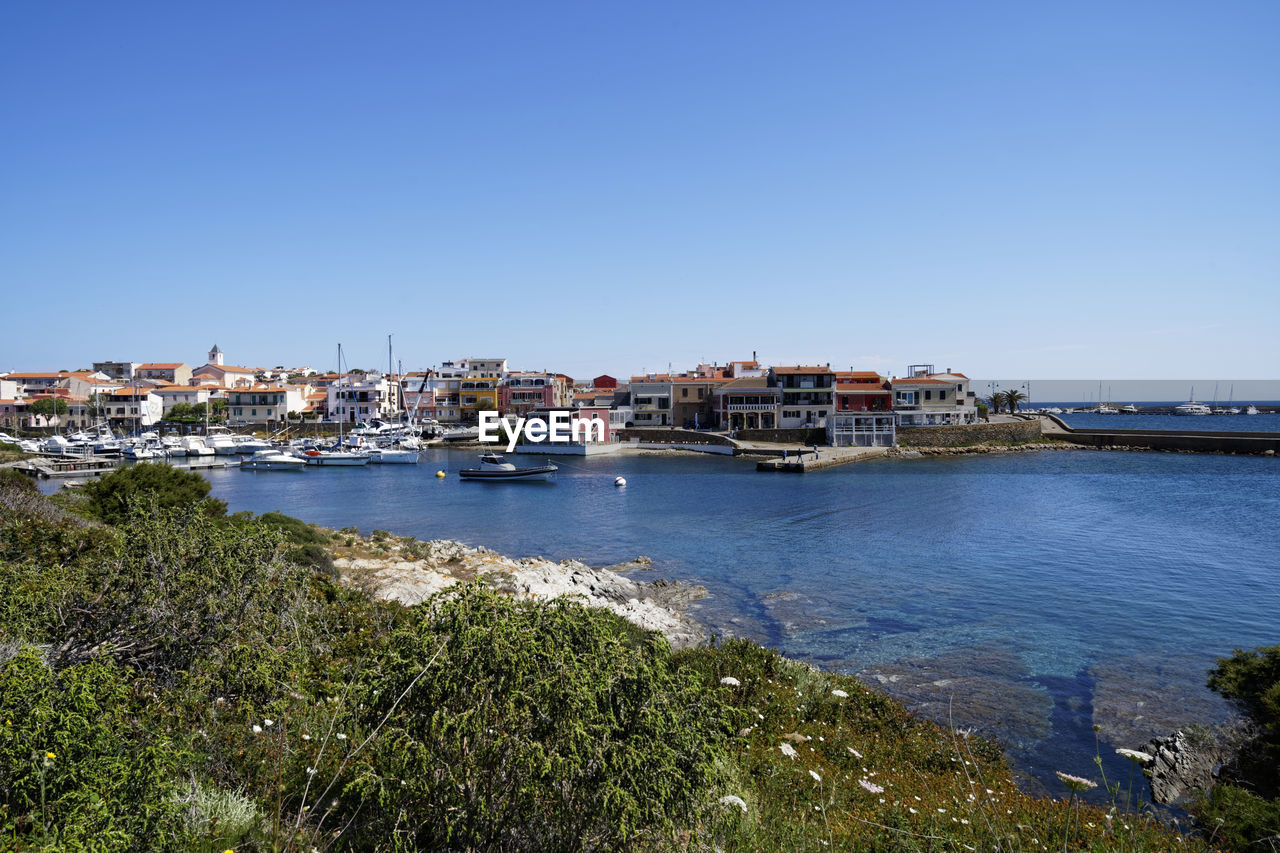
[{"x": 862, "y": 391}]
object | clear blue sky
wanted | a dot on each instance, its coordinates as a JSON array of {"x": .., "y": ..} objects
[{"x": 1052, "y": 190}]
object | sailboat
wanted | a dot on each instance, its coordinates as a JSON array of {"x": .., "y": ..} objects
[
  {"x": 1191, "y": 407},
  {"x": 336, "y": 457}
]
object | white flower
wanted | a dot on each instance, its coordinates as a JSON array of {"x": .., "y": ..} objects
[
  {"x": 854, "y": 751},
  {"x": 268, "y": 723},
  {"x": 306, "y": 737},
  {"x": 1075, "y": 783},
  {"x": 788, "y": 750},
  {"x": 840, "y": 693},
  {"x": 815, "y": 775},
  {"x": 731, "y": 681},
  {"x": 1135, "y": 755},
  {"x": 913, "y": 811},
  {"x": 341, "y": 736},
  {"x": 871, "y": 786},
  {"x": 257, "y": 729},
  {"x": 311, "y": 771},
  {"x": 732, "y": 800}
]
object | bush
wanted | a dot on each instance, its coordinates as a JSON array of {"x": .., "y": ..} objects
[
  {"x": 79, "y": 766},
  {"x": 108, "y": 499},
  {"x": 295, "y": 530},
  {"x": 530, "y": 726},
  {"x": 1252, "y": 681},
  {"x": 1239, "y": 820},
  {"x": 315, "y": 557}
]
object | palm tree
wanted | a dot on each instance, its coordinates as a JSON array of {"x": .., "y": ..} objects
[
  {"x": 1012, "y": 398},
  {"x": 996, "y": 401}
]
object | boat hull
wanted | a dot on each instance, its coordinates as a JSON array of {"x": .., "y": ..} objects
[
  {"x": 541, "y": 474},
  {"x": 337, "y": 460}
]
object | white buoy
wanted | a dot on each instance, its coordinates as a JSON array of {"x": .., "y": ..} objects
[{"x": 620, "y": 481}]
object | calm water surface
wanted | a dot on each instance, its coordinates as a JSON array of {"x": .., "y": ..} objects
[{"x": 1031, "y": 596}]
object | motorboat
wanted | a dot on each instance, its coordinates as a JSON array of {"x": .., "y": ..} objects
[
  {"x": 494, "y": 468},
  {"x": 335, "y": 458},
  {"x": 1107, "y": 409},
  {"x": 462, "y": 434},
  {"x": 1130, "y": 409},
  {"x": 1250, "y": 410},
  {"x": 273, "y": 460},
  {"x": 392, "y": 456},
  {"x": 173, "y": 446},
  {"x": 195, "y": 446},
  {"x": 1192, "y": 408}
]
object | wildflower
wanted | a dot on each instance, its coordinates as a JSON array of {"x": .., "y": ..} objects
[
  {"x": 912, "y": 810},
  {"x": 731, "y": 681},
  {"x": 341, "y": 736},
  {"x": 840, "y": 694},
  {"x": 268, "y": 723},
  {"x": 731, "y": 800},
  {"x": 1075, "y": 783},
  {"x": 789, "y": 751},
  {"x": 815, "y": 775},
  {"x": 1136, "y": 756},
  {"x": 854, "y": 751},
  {"x": 306, "y": 737},
  {"x": 50, "y": 756},
  {"x": 311, "y": 771},
  {"x": 257, "y": 729},
  {"x": 871, "y": 786}
]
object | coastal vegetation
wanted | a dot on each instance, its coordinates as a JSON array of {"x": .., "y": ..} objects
[{"x": 176, "y": 678}]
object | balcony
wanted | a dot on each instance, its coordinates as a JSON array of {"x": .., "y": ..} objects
[{"x": 751, "y": 407}]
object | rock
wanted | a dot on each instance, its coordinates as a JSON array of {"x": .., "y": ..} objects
[{"x": 1183, "y": 763}]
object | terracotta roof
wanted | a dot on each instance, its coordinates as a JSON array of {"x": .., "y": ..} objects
[
  {"x": 921, "y": 380},
  {"x": 657, "y": 377},
  {"x": 35, "y": 375},
  {"x": 746, "y": 382},
  {"x": 858, "y": 388},
  {"x": 799, "y": 369}
]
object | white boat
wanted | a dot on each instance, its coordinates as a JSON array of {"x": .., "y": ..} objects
[
  {"x": 194, "y": 446},
  {"x": 462, "y": 434},
  {"x": 392, "y": 456},
  {"x": 1191, "y": 407},
  {"x": 144, "y": 450},
  {"x": 273, "y": 460},
  {"x": 1250, "y": 410},
  {"x": 335, "y": 458},
  {"x": 1130, "y": 409},
  {"x": 173, "y": 446},
  {"x": 493, "y": 468},
  {"x": 1107, "y": 409}
]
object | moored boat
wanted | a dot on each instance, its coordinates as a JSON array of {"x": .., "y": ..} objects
[
  {"x": 273, "y": 460},
  {"x": 494, "y": 468},
  {"x": 335, "y": 458}
]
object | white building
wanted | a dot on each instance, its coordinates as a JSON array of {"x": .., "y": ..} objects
[{"x": 359, "y": 398}]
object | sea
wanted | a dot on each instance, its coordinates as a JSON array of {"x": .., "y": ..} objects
[{"x": 1027, "y": 596}]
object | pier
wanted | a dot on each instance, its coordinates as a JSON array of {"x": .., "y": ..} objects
[{"x": 806, "y": 460}]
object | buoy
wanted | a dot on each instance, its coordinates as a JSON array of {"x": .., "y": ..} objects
[
  {"x": 620, "y": 481},
  {"x": 440, "y": 474}
]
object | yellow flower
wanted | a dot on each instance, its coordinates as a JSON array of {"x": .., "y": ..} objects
[{"x": 50, "y": 756}]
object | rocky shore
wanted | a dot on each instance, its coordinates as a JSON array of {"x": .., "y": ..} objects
[{"x": 410, "y": 571}]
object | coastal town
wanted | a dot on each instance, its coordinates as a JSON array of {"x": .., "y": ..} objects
[{"x": 812, "y": 404}]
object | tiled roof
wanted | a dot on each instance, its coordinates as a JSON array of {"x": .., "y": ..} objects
[
  {"x": 921, "y": 380},
  {"x": 161, "y": 365}
]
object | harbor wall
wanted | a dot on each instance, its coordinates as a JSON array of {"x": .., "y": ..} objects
[
  {"x": 671, "y": 436},
  {"x": 805, "y": 436},
  {"x": 966, "y": 434}
]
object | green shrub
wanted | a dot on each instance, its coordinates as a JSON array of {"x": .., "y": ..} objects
[
  {"x": 1252, "y": 680},
  {"x": 109, "y": 498},
  {"x": 295, "y": 530},
  {"x": 80, "y": 769},
  {"x": 314, "y": 556},
  {"x": 531, "y": 726},
  {"x": 1238, "y": 819}
]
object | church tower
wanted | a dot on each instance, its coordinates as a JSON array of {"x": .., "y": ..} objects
[{"x": 215, "y": 355}]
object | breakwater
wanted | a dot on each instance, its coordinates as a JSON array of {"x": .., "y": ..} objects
[{"x": 1190, "y": 441}]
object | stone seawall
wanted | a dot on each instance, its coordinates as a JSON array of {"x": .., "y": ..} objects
[
  {"x": 806, "y": 437},
  {"x": 671, "y": 436},
  {"x": 959, "y": 436}
]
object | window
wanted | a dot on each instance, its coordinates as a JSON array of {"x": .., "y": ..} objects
[
  {"x": 928, "y": 395},
  {"x": 684, "y": 392}
]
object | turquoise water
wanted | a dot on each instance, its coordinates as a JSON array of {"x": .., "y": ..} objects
[{"x": 1030, "y": 596}]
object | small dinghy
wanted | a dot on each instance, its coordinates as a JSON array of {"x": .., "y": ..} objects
[{"x": 494, "y": 468}]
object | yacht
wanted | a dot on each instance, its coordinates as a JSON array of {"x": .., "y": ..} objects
[
  {"x": 274, "y": 459},
  {"x": 1130, "y": 409},
  {"x": 335, "y": 458},
  {"x": 1250, "y": 410},
  {"x": 194, "y": 446},
  {"x": 1107, "y": 409},
  {"x": 1192, "y": 408},
  {"x": 494, "y": 468},
  {"x": 392, "y": 456}
]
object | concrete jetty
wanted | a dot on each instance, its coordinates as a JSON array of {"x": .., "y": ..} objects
[
  {"x": 809, "y": 459},
  {"x": 1189, "y": 441}
]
